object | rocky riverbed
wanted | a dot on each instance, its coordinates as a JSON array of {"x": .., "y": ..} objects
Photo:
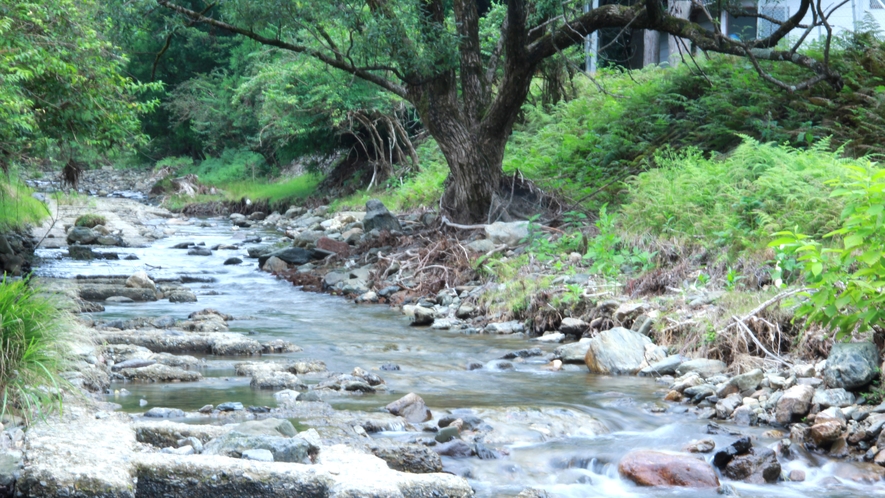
[{"x": 209, "y": 377}]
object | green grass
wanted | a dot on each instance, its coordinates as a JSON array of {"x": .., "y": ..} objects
[
  {"x": 17, "y": 208},
  {"x": 737, "y": 201},
  {"x": 423, "y": 189},
  {"x": 278, "y": 193},
  {"x": 32, "y": 350}
]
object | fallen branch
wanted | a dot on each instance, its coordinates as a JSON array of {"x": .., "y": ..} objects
[{"x": 746, "y": 330}]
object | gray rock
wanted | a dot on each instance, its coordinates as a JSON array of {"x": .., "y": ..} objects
[
  {"x": 509, "y": 233},
  {"x": 230, "y": 406},
  {"x": 573, "y": 326},
  {"x": 511, "y": 327},
  {"x": 119, "y": 299},
  {"x": 291, "y": 255},
  {"x": 411, "y": 407},
  {"x": 757, "y": 466},
  {"x": 412, "y": 458},
  {"x": 481, "y": 245},
  {"x": 422, "y": 316},
  {"x": 833, "y": 397},
  {"x": 745, "y": 416},
  {"x": 259, "y": 455},
  {"x": 182, "y": 296},
  {"x": 851, "y": 365},
  {"x": 703, "y": 366},
  {"x": 572, "y": 353},
  {"x": 233, "y": 261},
  {"x": 378, "y": 217},
  {"x": 621, "y": 351},
  {"x": 667, "y": 366},
  {"x": 132, "y": 363},
  {"x": 742, "y": 382},
  {"x": 199, "y": 251},
  {"x": 284, "y": 449},
  {"x": 274, "y": 265},
  {"x": 81, "y": 235},
  {"x": 140, "y": 280},
  {"x": 267, "y": 427},
  {"x": 158, "y": 412},
  {"x": 795, "y": 402}
]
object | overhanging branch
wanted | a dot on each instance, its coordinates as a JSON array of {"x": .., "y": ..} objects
[{"x": 333, "y": 61}]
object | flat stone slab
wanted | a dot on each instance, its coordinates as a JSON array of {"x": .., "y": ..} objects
[
  {"x": 160, "y": 341},
  {"x": 83, "y": 457},
  {"x": 342, "y": 472}
]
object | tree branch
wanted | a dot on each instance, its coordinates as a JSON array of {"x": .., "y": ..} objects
[
  {"x": 473, "y": 89},
  {"x": 360, "y": 72}
]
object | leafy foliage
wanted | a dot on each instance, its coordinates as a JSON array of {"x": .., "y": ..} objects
[
  {"x": 846, "y": 278},
  {"x": 61, "y": 83}
]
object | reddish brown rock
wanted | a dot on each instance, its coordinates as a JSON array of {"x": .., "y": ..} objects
[
  {"x": 339, "y": 248},
  {"x": 826, "y": 432},
  {"x": 653, "y": 468}
]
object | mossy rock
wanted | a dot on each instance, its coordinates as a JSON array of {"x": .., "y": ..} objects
[{"x": 90, "y": 220}]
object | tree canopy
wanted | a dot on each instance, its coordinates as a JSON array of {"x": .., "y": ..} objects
[{"x": 62, "y": 85}]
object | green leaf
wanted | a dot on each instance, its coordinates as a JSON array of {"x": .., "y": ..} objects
[
  {"x": 853, "y": 241},
  {"x": 871, "y": 257},
  {"x": 817, "y": 268}
]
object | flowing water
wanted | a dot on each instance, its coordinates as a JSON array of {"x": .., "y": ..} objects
[{"x": 344, "y": 335}]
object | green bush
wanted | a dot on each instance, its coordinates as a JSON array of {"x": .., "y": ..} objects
[
  {"x": 735, "y": 201},
  {"x": 32, "y": 349},
  {"x": 847, "y": 276},
  {"x": 90, "y": 220},
  {"x": 233, "y": 165}
]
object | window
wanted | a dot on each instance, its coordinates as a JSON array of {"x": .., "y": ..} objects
[
  {"x": 766, "y": 28},
  {"x": 877, "y": 4}
]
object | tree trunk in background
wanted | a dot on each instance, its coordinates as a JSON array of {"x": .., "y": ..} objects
[
  {"x": 677, "y": 46},
  {"x": 651, "y": 47}
]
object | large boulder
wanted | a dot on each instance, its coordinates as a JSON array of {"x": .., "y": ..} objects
[
  {"x": 81, "y": 235},
  {"x": 378, "y": 217},
  {"x": 508, "y": 233},
  {"x": 654, "y": 468},
  {"x": 833, "y": 397},
  {"x": 292, "y": 255},
  {"x": 794, "y": 403},
  {"x": 621, "y": 351},
  {"x": 412, "y": 458},
  {"x": 742, "y": 382},
  {"x": 268, "y": 427},
  {"x": 851, "y": 365},
  {"x": 410, "y": 407}
]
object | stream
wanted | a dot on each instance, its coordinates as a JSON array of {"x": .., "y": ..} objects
[{"x": 433, "y": 363}]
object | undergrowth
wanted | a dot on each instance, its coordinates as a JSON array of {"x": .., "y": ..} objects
[
  {"x": 32, "y": 350},
  {"x": 734, "y": 203}
]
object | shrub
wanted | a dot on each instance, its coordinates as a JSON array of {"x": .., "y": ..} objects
[
  {"x": 90, "y": 220},
  {"x": 32, "y": 346},
  {"x": 847, "y": 277}
]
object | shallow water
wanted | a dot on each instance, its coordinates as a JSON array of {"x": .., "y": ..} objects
[{"x": 345, "y": 335}]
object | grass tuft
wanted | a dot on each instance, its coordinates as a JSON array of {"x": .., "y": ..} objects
[{"x": 32, "y": 350}]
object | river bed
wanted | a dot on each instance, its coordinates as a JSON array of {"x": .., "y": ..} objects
[{"x": 432, "y": 363}]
